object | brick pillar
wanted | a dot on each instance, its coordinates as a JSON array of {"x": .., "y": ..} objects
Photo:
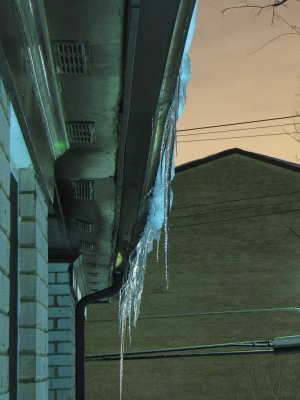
[
  {"x": 4, "y": 243},
  {"x": 61, "y": 334},
  {"x": 33, "y": 290}
]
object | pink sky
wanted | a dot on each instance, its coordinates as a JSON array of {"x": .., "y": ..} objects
[{"x": 229, "y": 85}]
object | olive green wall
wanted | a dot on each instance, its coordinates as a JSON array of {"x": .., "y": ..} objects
[{"x": 234, "y": 254}]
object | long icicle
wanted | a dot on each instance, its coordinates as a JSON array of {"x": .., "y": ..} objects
[
  {"x": 169, "y": 172},
  {"x": 160, "y": 203}
]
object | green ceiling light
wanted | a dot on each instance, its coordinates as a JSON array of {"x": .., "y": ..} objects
[
  {"x": 60, "y": 147},
  {"x": 119, "y": 259}
]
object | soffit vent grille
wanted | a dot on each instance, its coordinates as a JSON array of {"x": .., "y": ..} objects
[
  {"x": 83, "y": 189},
  {"x": 93, "y": 274},
  {"x": 90, "y": 257},
  {"x": 87, "y": 246},
  {"x": 81, "y": 132},
  {"x": 91, "y": 265},
  {"x": 72, "y": 57},
  {"x": 84, "y": 226}
]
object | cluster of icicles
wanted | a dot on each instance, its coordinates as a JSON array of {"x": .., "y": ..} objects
[
  {"x": 160, "y": 204},
  {"x": 161, "y": 199}
]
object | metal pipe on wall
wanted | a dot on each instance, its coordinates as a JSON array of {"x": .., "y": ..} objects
[{"x": 80, "y": 319}]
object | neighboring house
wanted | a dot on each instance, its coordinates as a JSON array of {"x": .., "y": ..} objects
[
  {"x": 234, "y": 274},
  {"x": 85, "y": 88}
]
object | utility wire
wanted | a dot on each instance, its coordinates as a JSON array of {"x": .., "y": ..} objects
[
  {"x": 238, "y": 123},
  {"x": 205, "y": 314},
  {"x": 234, "y": 130},
  {"x": 233, "y": 209},
  {"x": 235, "y": 200},
  {"x": 278, "y": 345},
  {"x": 259, "y": 343},
  {"x": 234, "y": 218},
  {"x": 234, "y": 137},
  {"x": 190, "y": 355}
]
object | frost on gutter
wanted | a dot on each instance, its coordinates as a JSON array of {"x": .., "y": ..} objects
[{"x": 160, "y": 204}]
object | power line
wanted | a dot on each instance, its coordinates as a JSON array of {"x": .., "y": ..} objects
[
  {"x": 284, "y": 344},
  {"x": 235, "y": 130},
  {"x": 234, "y": 219},
  {"x": 190, "y": 355},
  {"x": 234, "y": 137},
  {"x": 235, "y": 200},
  {"x": 238, "y": 123},
  {"x": 251, "y": 344},
  {"x": 203, "y": 314},
  {"x": 234, "y": 209}
]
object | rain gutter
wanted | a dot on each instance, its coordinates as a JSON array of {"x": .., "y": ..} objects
[{"x": 144, "y": 143}]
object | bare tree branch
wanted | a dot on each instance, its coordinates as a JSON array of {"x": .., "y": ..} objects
[
  {"x": 272, "y": 6},
  {"x": 275, "y": 4},
  {"x": 271, "y": 41}
]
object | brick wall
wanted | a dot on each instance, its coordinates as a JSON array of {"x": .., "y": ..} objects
[
  {"x": 33, "y": 289},
  {"x": 4, "y": 242},
  {"x": 61, "y": 326}
]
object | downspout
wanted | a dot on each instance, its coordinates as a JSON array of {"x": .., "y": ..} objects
[{"x": 80, "y": 319}]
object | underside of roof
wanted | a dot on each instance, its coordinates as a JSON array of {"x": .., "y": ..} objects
[{"x": 91, "y": 83}]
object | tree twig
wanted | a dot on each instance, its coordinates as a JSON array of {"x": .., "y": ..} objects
[{"x": 275, "y": 4}]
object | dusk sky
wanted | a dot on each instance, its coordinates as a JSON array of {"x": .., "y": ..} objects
[{"x": 228, "y": 84}]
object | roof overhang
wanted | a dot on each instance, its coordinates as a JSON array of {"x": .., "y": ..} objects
[
  {"x": 162, "y": 31},
  {"x": 97, "y": 190}
]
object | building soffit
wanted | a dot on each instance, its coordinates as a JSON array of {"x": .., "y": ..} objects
[
  {"x": 100, "y": 68},
  {"x": 87, "y": 44}
]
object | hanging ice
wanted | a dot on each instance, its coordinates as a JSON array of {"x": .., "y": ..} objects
[{"x": 161, "y": 201}]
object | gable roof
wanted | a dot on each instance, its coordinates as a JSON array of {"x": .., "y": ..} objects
[{"x": 256, "y": 156}]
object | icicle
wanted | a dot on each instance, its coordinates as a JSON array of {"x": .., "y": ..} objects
[
  {"x": 168, "y": 160},
  {"x": 160, "y": 204},
  {"x": 131, "y": 293},
  {"x": 160, "y": 201}
]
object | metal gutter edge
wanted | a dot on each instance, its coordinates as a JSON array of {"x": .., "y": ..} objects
[
  {"x": 133, "y": 20},
  {"x": 167, "y": 92}
]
